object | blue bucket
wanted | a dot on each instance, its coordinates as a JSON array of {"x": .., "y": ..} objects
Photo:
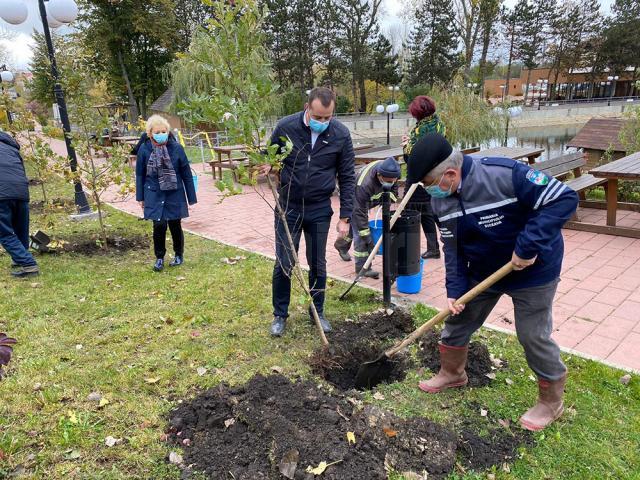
[
  {"x": 410, "y": 283},
  {"x": 376, "y": 232},
  {"x": 194, "y": 175}
]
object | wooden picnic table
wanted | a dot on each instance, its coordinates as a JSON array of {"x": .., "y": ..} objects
[
  {"x": 515, "y": 153},
  {"x": 626, "y": 168},
  {"x": 126, "y": 139},
  {"x": 372, "y": 156}
]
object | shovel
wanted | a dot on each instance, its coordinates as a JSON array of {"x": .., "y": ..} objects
[
  {"x": 378, "y": 244},
  {"x": 372, "y": 373}
]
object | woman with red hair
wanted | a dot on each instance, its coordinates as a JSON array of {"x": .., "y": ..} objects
[{"x": 423, "y": 109}]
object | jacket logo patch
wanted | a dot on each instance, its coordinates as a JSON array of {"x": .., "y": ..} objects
[{"x": 537, "y": 178}]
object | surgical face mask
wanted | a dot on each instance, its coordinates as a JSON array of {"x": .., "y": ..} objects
[
  {"x": 161, "y": 137},
  {"x": 317, "y": 126},
  {"x": 386, "y": 185},
  {"x": 436, "y": 192}
]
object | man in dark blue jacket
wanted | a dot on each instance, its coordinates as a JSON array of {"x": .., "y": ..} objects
[
  {"x": 492, "y": 211},
  {"x": 322, "y": 150},
  {"x": 14, "y": 208}
]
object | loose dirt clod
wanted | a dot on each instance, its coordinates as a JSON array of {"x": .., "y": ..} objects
[
  {"x": 115, "y": 244},
  {"x": 282, "y": 427},
  {"x": 478, "y": 362},
  {"x": 354, "y": 343}
]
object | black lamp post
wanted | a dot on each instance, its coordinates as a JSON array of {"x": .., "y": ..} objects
[{"x": 67, "y": 11}]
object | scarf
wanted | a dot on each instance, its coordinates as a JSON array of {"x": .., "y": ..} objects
[
  {"x": 428, "y": 124},
  {"x": 160, "y": 165}
]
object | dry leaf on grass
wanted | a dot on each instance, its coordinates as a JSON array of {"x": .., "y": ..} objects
[
  {"x": 378, "y": 396},
  {"x": 389, "y": 432},
  {"x": 483, "y": 412},
  {"x": 175, "y": 458},
  {"x": 152, "y": 380},
  {"x": 625, "y": 379},
  {"x": 111, "y": 441},
  {"x": 103, "y": 402},
  {"x": 201, "y": 371}
]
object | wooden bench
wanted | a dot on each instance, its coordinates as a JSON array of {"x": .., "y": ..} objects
[
  {"x": 230, "y": 164},
  {"x": 571, "y": 163}
]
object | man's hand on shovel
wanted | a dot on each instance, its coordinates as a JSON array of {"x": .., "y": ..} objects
[{"x": 518, "y": 264}]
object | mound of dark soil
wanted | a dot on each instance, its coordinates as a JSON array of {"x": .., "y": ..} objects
[
  {"x": 92, "y": 246},
  {"x": 478, "y": 363},
  {"x": 272, "y": 428},
  {"x": 353, "y": 343}
]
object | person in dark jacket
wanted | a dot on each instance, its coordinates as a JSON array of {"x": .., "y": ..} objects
[
  {"x": 493, "y": 211},
  {"x": 423, "y": 109},
  {"x": 371, "y": 179},
  {"x": 14, "y": 208},
  {"x": 322, "y": 150},
  {"x": 164, "y": 186}
]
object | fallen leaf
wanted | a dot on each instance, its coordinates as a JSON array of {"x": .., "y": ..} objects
[
  {"x": 276, "y": 369},
  {"x": 497, "y": 362},
  {"x": 389, "y": 432},
  {"x": 103, "y": 402},
  {"x": 37, "y": 387},
  {"x": 491, "y": 476},
  {"x": 351, "y": 437},
  {"x": 72, "y": 417},
  {"x": 175, "y": 458},
  {"x": 94, "y": 397},
  {"x": 319, "y": 470},
  {"x": 506, "y": 468},
  {"x": 201, "y": 371},
  {"x": 378, "y": 396},
  {"x": 229, "y": 422},
  {"x": 186, "y": 442},
  {"x": 111, "y": 441},
  {"x": 195, "y": 333},
  {"x": 289, "y": 463},
  {"x": 625, "y": 379},
  {"x": 483, "y": 412},
  {"x": 505, "y": 423},
  {"x": 508, "y": 381},
  {"x": 491, "y": 375},
  {"x": 152, "y": 380},
  {"x": 35, "y": 285},
  {"x": 388, "y": 311},
  {"x": 79, "y": 346},
  {"x": 532, "y": 378},
  {"x": 72, "y": 455},
  {"x": 181, "y": 279}
]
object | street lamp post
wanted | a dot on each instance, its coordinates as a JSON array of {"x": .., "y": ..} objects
[
  {"x": 6, "y": 77},
  {"x": 393, "y": 89},
  {"x": 390, "y": 109},
  {"x": 66, "y": 12},
  {"x": 541, "y": 83},
  {"x": 611, "y": 80}
]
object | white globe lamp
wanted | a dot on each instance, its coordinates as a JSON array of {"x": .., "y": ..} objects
[
  {"x": 13, "y": 11},
  {"x": 7, "y": 77},
  {"x": 64, "y": 11},
  {"x": 380, "y": 109}
]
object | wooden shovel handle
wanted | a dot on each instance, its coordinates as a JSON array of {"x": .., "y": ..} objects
[{"x": 444, "y": 313}]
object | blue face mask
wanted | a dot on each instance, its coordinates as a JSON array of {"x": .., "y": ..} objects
[
  {"x": 316, "y": 126},
  {"x": 436, "y": 192},
  {"x": 161, "y": 137}
]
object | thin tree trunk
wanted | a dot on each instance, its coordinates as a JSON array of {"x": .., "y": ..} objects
[
  {"x": 133, "y": 108},
  {"x": 486, "y": 40},
  {"x": 363, "y": 91},
  {"x": 505, "y": 91},
  {"x": 526, "y": 89}
]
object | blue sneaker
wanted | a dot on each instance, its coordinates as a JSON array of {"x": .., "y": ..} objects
[
  {"x": 159, "y": 265},
  {"x": 178, "y": 260}
]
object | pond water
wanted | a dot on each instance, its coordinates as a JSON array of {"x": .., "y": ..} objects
[{"x": 552, "y": 138}]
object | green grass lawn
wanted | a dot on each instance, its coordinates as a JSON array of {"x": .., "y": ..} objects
[{"x": 110, "y": 325}]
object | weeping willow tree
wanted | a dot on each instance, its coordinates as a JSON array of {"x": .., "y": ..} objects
[
  {"x": 469, "y": 119},
  {"x": 237, "y": 94}
]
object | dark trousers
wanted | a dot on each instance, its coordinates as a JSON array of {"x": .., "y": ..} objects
[
  {"x": 534, "y": 324},
  {"x": 315, "y": 226},
  {"x": 14, "y": 231},
  {"x": 428, "y": 222},
  {"x": 160, "y": 237}
]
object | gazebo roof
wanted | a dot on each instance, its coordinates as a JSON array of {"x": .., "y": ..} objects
[{"x": 599, "y": 134}]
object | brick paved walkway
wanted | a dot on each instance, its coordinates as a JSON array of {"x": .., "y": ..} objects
[{"x": 596, "y": 310}]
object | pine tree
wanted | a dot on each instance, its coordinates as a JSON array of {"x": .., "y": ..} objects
[
  {"x": 384, "y": 64},
  {"x": 489, "y": 17},
  {"x": 433, "y": 44},
  {"x": 622, "y": 38}
]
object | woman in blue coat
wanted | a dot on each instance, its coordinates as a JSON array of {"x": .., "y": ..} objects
[{"x": 164, "y": 185}]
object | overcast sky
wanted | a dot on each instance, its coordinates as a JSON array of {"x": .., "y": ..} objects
[{"x": 19, "y": 46}]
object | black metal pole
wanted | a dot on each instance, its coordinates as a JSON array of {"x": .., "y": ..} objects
[
  {"x": 80, "y": 197},
  {"x": 386, "y": 247},
  {"x": 388, "y": 134}
]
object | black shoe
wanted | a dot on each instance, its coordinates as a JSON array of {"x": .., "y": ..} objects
[
  {"x": 326, "y": 326},
  {"x": 277, "y": 326},
  {"x": 344, "y": 255},
  {"x": 159, "y": 265},
  {"x": 28, "y": 271},
  {"x": 428, "y": 254},
  {"x": 178, "y": 260},
  {"x": 368, "y": 273}
]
